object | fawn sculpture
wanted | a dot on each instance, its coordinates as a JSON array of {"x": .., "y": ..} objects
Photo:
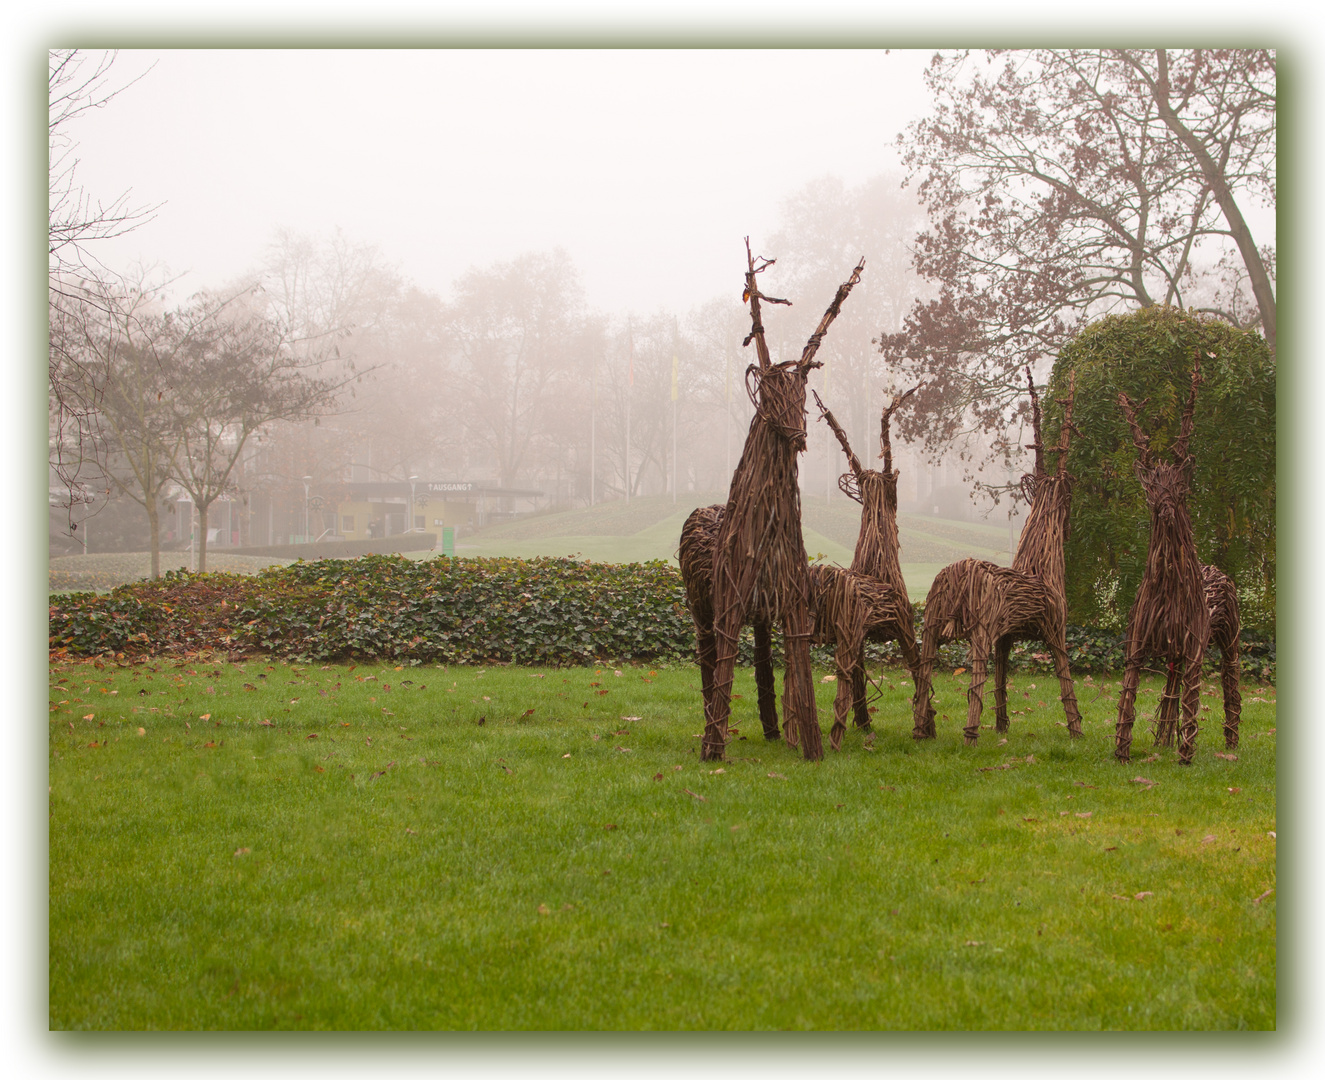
[
  {"x": 758, "y": 571},
  {"x": 868, "y": 600},
  {"x": 994, "y": 606},
  {"x": 1181, "y": 605}
]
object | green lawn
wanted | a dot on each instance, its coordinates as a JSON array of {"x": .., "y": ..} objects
[{"x": 522, "y": 848}]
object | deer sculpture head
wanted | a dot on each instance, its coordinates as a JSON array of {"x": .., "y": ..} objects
[
  {"x": 1050, "y": 490},
  {"x": 777, "y": 391},
  {"x": 869, "y": 487},
  {"x": 1165, "y": 481}
]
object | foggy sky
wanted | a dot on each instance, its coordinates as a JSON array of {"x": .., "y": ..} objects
[{"x": 648, "y": 167}]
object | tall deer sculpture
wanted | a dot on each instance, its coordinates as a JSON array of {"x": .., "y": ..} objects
[
  {"x": 994, "y": 606},
  {"x": 867, "y": 601},
  {"x": 759, "y": 572},
  {"x": 1181, "y": 605}
]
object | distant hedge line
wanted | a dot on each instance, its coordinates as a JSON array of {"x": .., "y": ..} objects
[{"x": 545, "y": 611}]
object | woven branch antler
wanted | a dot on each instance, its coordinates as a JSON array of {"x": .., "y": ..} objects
[
  {"x": 885, "y": 437},
  {"x": 807, "y": 360},
  {"x": 1065, "y": 434},
  {"x": 1038, "y": 444},
  {"x": 1188, "y": 415},
  {"x": 1139, "y": 437},
  {"x": 827, "y": 415},
  {"x": 753, "y": 295}
]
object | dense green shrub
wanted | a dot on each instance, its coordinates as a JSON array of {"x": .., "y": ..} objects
[
  {"x": 546, "y": 611},
  {"x": 1148, "y": 354}
]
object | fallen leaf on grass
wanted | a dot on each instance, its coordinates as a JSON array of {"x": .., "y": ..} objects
[
  {"x": 565, "y": 755},
  {"x": 714, "y": 772},
  {"x": 1234, "y": 790},
  {"x": 609, "y": 828},
  {"x": 1082, "y": 783},
  {"x": 1117, "y": 897},
  {"x": 829, "y": 678},
  {"x": 1142, "y": 780},
  {"x": 630, "y": 719},
  {"x": 312, "y": 736},
  {"x": 699, "y": 797},
  {"x": 677, "y": 768},
  {"x": 968, "y": 944},
  {"x": 527, "y": 712},
  {"x": 265, "y": 723},
  {"x": 625, "y": 749},
  {"x": 1033, "y": 819},
  {"x": 1086, "y": 813},
  {"x": 142, "y": 731},
  {"x": 90, "y": 716},
  {"x": 1143, "y": 895},
  {"x": 1208, "y": 839},
  {"x": 205, "y": 716},
  {"x": 657, "y": 776},
  {"x": 1262, "y": 896},
  {"x": 773, "y": 776},
  {"x": 241, "y": 851},
  {"x": 543, "y": 909},
  {"x": 1152, "y": 757}
]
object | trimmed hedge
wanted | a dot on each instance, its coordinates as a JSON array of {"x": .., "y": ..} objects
[{"x": 545, "y": 611}]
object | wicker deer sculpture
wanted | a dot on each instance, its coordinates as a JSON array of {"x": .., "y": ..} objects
[
  {"x": 867, "y": 601},
  {"x": 994, "y": 606},
  {"x": 1182, "y": 606},
  {"x": 758, "y": 572}
]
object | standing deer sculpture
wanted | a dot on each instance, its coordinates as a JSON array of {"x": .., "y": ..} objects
[
  {"x": 758, "y": 571},
  {"x": 1181, "y": 606},
  {"x": 994, "y": 606},
  {"x": 868, "y": 601}
]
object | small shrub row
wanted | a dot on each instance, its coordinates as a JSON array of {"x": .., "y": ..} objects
[{"x": 546, "y": 611}]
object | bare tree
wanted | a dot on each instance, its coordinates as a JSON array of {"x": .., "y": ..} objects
[
  {"x": 78, "y": 83},
  {"x": 236, "y": 375},
  {"x": 1069, "y": 183}
]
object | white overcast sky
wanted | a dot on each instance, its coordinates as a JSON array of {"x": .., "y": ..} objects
[{"x": 648, "y": 167}]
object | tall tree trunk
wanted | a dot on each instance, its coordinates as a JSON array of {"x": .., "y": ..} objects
[
  {"x": 1237, "y": 227},
  {"x": 154, "y": 530},
  {"x": 202, "y": 536}
]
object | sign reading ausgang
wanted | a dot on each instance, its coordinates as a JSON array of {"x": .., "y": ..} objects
[{"x": 458, "y": 485}]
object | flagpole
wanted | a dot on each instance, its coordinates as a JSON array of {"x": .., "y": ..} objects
[
  {"x": 593, "y": 434},
  {"x": 676, "y": 472},
  {"x": 629, "y": 386}
]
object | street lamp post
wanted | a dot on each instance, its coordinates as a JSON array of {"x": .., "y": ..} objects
[
  {"x": 410, "y": 524},
  {"x": 307, "y": 480}
]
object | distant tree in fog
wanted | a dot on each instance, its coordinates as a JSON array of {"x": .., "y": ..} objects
[
  {"x": 78, "y": 83},
  {"x": 1065, "y": 184},
  {"x": 239, "y": 372},
  {"x": 514, "y": 331}
]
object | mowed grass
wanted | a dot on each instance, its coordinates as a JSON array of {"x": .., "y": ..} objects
[{"x": 542, "y": 848}]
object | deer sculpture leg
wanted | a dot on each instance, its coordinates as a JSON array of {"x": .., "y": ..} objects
[
  {"x": 922, "y": 701},
  {"x": 764, "y": 684},
  {"x": 849, "y": 660},
  {"x": 729, "y": 610},
  {"x": 975, "y": 693},
  {"x": 1191, "y": 708},
  {"x": 859, "y": 702},
  {"x": 1122, "y": 749},
  {"x": 706, "y": 647},
  {"x": 1001, "y": 652},
  {"x": 1066, "y": 690},
  {"x": 1229, "y": 667},
  {"x": 801, "y": 714},
  {"x": 1170, "y": 705}
]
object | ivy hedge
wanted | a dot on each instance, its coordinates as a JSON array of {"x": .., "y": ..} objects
[{"x": 544, "y": 611}]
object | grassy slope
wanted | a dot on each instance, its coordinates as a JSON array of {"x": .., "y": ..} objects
[
  {"x": 650, "y": 528},
  {"x": 646, "y": 528},
  {"x": 378, "y": 859}
]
